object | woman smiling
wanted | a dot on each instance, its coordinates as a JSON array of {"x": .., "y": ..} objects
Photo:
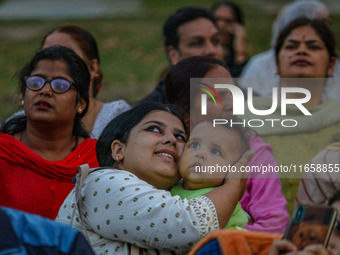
[{"x": 126, "y": 203}]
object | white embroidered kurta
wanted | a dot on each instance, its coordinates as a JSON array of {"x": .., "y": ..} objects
[{"x": 119, "y": 209}]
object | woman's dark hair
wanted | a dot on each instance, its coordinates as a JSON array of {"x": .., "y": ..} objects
[
  {"x": 77, "y": 69},
  {"x": 120, "y": 127},
  {"x": 177, "y": 84},
  {"x": 236, "y": 10},
  {"x": 88, "y": 45},
  {"x": 320, "y": 27}
]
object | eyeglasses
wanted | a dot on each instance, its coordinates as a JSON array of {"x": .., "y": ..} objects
[{"x": 58, "y": 85}]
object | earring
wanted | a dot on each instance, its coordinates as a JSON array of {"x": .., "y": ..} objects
[
  {"x": 80, "y": 110},
  {"x": 22, "y": 102},
  {"x": 118, "y": 160}
]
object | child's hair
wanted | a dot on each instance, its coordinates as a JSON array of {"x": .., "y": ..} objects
[{"x": 242, "y": 132}]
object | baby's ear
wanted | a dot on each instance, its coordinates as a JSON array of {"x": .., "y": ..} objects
[{"x": 117, "y": 149}]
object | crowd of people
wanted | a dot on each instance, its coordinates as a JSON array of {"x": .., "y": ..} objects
[{"x": 137, "y": 179}]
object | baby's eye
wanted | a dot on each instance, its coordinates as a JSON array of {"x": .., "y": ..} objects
[
  {"x": 216, "y": 152},
  {"x": 154, "y": 129},
  {"x": 195, "y": 145}
]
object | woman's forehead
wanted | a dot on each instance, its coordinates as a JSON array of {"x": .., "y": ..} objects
[
  {"x": 164, "y": 117},
  {"x": 303, "y": 33}
]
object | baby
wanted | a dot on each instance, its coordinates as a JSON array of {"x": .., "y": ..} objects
[{"x": 211, "y": 148}]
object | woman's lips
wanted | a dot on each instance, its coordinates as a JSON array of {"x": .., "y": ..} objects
[
  {"x": 301, "y": 62},
  {"x": 41, "y": 104},
  {"x": 168, "y": 154}
]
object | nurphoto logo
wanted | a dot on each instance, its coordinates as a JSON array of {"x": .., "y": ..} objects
[{"x": 279, "y": 96}]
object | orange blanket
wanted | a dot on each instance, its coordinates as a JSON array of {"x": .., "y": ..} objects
[{"x": 236, "y": 242}]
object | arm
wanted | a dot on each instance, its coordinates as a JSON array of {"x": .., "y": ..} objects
[
  {"x": 280, "y": 246},
  {"x": 317, "y": 187},
  {"x": 239, "y": 43},
  {"x": 234, "y": 186},
  {"x": 121, "y": 207},
  {"x": 263, "y": 198}
]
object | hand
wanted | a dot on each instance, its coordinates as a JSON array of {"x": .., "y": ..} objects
[
  {"x": 287, "y": 247},
  {"x": 281, "y": 246},
  {"x": 314, "y": 249},
  {"x": 239, "y": 42},
  {"x": 240, "y": 176}
]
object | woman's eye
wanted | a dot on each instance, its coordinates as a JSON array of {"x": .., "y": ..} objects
[
  {"x": 216, "y": 152},
  {"x": 154, "y": 129},
  {"x": 290, "y": 46},
  {"x": 180, "y": 138},
  {"x": 195, "y": 145},
  {"x": 314, "y": 47}
]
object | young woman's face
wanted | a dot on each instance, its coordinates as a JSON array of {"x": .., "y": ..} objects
[
  {"x": 47, "y": 106},
  {"x": 304, "y": 55},
  {"x": 225, "y": 19},
  {"x": 154, "y": 147},
  {"x": 63, "y": 39}
]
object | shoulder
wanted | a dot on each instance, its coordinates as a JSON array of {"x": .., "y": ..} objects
[
  {"x": 113, "y": 180},
  {"x": 112, "y": 109},
  {"x": 50, "y": 235},
  {"x": 108, "y": 112},
  {"x": 329, "y": 155},
  {"x": 255, "y": 66},
  {"x": 118, "y": 104},
  {"x": 88, "y": 144}
]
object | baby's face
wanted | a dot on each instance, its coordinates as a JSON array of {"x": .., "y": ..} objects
[{"x": 208, "y": 147}]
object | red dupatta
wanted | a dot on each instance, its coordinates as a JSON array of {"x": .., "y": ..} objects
[{"x": 33, "y": 184}]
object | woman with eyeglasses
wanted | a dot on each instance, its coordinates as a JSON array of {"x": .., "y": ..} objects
[
  {"x": 41, "y": 151},
  {"x": 84, "y": 44}
]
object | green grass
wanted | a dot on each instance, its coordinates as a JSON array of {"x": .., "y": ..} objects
[
  {"x": 131, "y": 49},
  {"x": 132, "y": 54}
]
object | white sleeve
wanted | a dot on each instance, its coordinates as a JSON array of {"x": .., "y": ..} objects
[{"x": 119, "y": 206}]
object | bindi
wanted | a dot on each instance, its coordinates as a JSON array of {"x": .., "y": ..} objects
[{"x": 303, "y": 37}]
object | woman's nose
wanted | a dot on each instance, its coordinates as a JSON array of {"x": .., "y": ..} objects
[
  {"x": 46, "y": 89},
  {"x": 169, "y": 138},
  {"x": 302, "y": 50}
]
